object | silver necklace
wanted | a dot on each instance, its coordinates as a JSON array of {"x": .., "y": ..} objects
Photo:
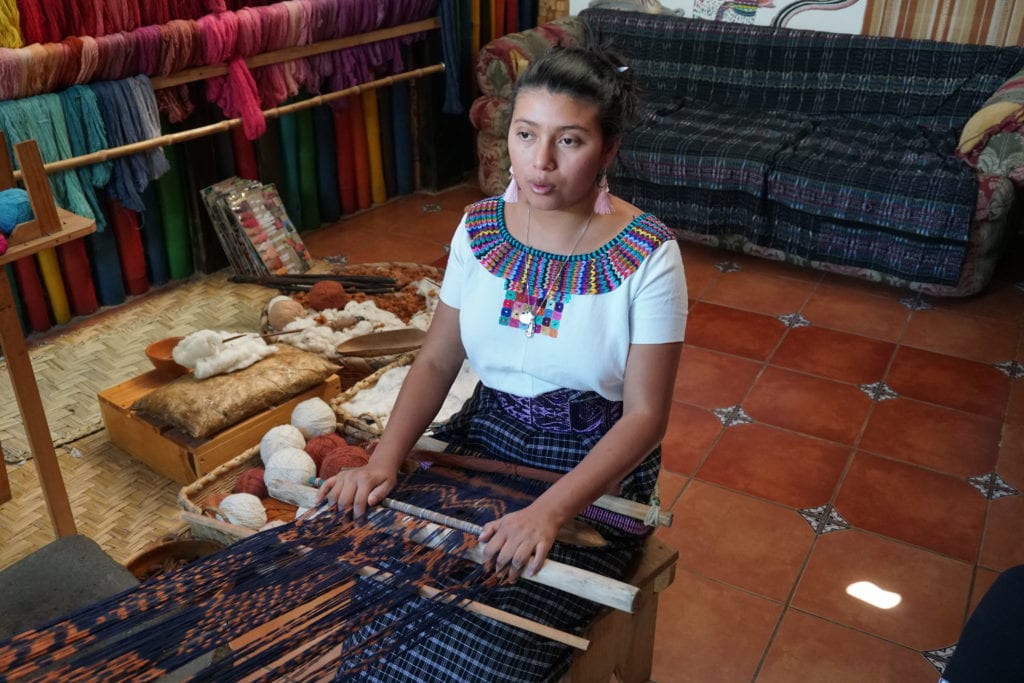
[{"x": 529, "y": 315}]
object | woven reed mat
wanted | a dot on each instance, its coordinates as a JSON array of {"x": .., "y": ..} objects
[{"x": 117, "y": 501}]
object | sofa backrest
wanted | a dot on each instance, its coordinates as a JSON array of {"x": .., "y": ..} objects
[{"x": 680, "y": 60}]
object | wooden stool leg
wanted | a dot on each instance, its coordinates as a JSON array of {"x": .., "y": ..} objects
[{"x": 635, "y": 666}]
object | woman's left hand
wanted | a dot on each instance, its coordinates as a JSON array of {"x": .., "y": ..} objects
[{"x": 519, "y": 541}]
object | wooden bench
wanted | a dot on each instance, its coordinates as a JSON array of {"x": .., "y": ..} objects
[{"x": 622, "y": 644}]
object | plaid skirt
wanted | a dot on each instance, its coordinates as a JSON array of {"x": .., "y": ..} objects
[{"x": 553, "y": 431}]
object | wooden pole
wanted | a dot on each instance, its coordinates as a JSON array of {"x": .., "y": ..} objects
[
  {"x": 228, "y": 124},
  {"x": 288, "y": 54}
]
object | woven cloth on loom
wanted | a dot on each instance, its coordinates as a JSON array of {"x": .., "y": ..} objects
[{"x": 312, "y": 564}]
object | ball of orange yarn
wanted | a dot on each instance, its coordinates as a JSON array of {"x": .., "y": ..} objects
[
  {"x": 279, "y": 510},
  {"x": 341, "y": 458},
  {"x": 213, "y": 500},
  {"x": 327, "y": 294},
  {"x": 319, "y": 446},
  {"x": 251, "y": 481}
]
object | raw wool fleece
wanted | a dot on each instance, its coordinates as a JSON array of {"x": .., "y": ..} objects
[
  {"x": 207, "y": 355},
  {"x": 205, "y": 407},
  {"x": 378, "y": 400}
]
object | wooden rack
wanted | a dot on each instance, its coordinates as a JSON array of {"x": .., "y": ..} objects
[{"x": 50, "y": 227}]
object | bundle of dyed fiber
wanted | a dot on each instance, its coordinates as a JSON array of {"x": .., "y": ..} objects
[
  {"x": 129, "y": 112},
  {"x": 10, "y": 24}
]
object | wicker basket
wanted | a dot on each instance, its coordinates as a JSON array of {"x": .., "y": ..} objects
[
  {"x": 364, "y": 427},
  {"x": 220, "y": 480},
  {"x": 353, "y": 368}
]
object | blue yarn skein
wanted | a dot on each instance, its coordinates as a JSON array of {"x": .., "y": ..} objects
[{"x": 14, "y": 209}]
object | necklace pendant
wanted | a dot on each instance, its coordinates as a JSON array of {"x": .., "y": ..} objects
[{"x": 526, "y": 319}]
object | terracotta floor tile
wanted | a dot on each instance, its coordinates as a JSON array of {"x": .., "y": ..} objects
[
  {"x": 767, "y": 266},
  {"x": 857, "y": 311},
  {"x": 713, "y": 380},
  {"x": 670, "y": 485},
  {"x": 913, "y": 504},
  {"x": 1015, "y": 407},
  {"x": 933, "y": 589},
  {"x": 947, "y": 440},
  {"x": 811, "y": 405},
  {"x": 716, "y": 633},
  {"x": 1000, "y": 301},
  {"x": 690, "y": 434},
  {"x": 1010, "y": 464},
  {"x": 965, "y": 336},
  {"x": 856, "y": 284},
  {"x": 835, "y": 355},
  {"x": 740, "y": 540},
  {"x": 1004, "y": 529},
  {"x": 807, "y": 648},
  {"x": 983, "y": 580},
  {"x": 954, "y": 382},
  {"x": 792, "y": 469},
  {"x": 759, "y": 293},
  {"x": 699, "y": 275},
  {"x": 741, "y": 333}
]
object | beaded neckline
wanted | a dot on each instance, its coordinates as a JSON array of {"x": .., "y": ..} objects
[{"x": 596, "y": 272}]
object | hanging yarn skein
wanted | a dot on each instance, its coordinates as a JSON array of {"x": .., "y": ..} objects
[{"x": 10, "y": 24}]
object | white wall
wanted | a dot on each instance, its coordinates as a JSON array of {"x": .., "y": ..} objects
[{"x": 842, "y": 17}]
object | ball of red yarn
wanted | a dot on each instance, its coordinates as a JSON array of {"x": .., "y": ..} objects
[
  {"x": 251, "y": 481},
  {"x": 327, "y": 294},
  {"x": 319, "y": 446},
  {"x": 341, "y": 458}
]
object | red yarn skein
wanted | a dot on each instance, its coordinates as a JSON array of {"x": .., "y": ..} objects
[
  {"x": 251, "y": 481},
  {"x": 341, "y": 458},
  {"x": 320, "y": 446}
]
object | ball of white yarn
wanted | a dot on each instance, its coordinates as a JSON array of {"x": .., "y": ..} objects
[
  {"x": 290, "y": 464},
  {"x": 281, "y": 436},
  {"x": 243, "y": 509},
  {"x": 314, "y": 417}
]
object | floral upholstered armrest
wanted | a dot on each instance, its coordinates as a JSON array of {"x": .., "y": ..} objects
[
  {"x": 497, "y": 67},
  {"x": 992, "y": 140}
]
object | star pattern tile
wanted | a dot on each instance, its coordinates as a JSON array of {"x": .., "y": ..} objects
[
  {"x": 728, "y": 266},
  {"x": 824, "y": 519},
  {"x": 992, "y": 486},
  {"x": 939, "y": 658},
  {"x": 732, "y": 416},
  {"x": 1011, "y": 368},
  {"x": 792, "y": 320},
  {"x": 916, "y": 303},
  {"x": 878, "y": 391}
]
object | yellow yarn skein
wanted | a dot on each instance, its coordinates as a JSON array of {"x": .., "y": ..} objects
[{"x": 10, "y": 24}]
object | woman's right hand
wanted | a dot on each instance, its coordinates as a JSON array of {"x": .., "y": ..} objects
[{"x": 358, "y": 489}]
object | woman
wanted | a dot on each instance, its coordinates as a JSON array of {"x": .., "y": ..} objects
[{"x": 570, "y": 304}]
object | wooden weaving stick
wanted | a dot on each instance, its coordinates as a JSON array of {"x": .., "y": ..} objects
[
  {"x": 428, "y": 592},
  {"x": 622, "y": 506},
  {"x": 586, "y": 584}
]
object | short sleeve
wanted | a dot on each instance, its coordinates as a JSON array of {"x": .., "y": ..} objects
[
  {"x": 455, "y": 270},
  {"x": 659, "y": 303}
]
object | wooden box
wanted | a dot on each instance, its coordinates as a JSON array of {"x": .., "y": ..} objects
[{"x": 173, "y": 452}]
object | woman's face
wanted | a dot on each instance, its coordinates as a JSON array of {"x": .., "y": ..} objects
[{"x": 557, "y": 149}]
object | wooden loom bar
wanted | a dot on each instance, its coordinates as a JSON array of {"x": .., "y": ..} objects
[
  {"x": 287, "y": 54},
  {"x": 228, "y": 124},
  {"x": 595, "y": 587},
  {"x": 431, "y": 593}
]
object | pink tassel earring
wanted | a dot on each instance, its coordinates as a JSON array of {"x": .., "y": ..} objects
[
  {"x": 511, "y": 195},
  {"x": 603, "y": 203}
]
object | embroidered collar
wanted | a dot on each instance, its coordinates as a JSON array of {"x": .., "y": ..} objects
[{"x": 597, "y": 272}]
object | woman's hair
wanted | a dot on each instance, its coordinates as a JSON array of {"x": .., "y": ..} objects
[{"x": 590, "y": 74}]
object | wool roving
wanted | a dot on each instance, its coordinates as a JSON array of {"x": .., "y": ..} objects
[
  {"x": 314, "y": 417},
  {"x": 251, "y": 481},
  {"x": 320, "y": 446},
  {"x": 290, "y": 464},
  {"x": 281, "y": 436},
  {"x": 243, "y": 509}
]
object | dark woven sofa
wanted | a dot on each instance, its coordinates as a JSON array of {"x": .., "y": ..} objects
[{"x": 899, "y": 161}]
